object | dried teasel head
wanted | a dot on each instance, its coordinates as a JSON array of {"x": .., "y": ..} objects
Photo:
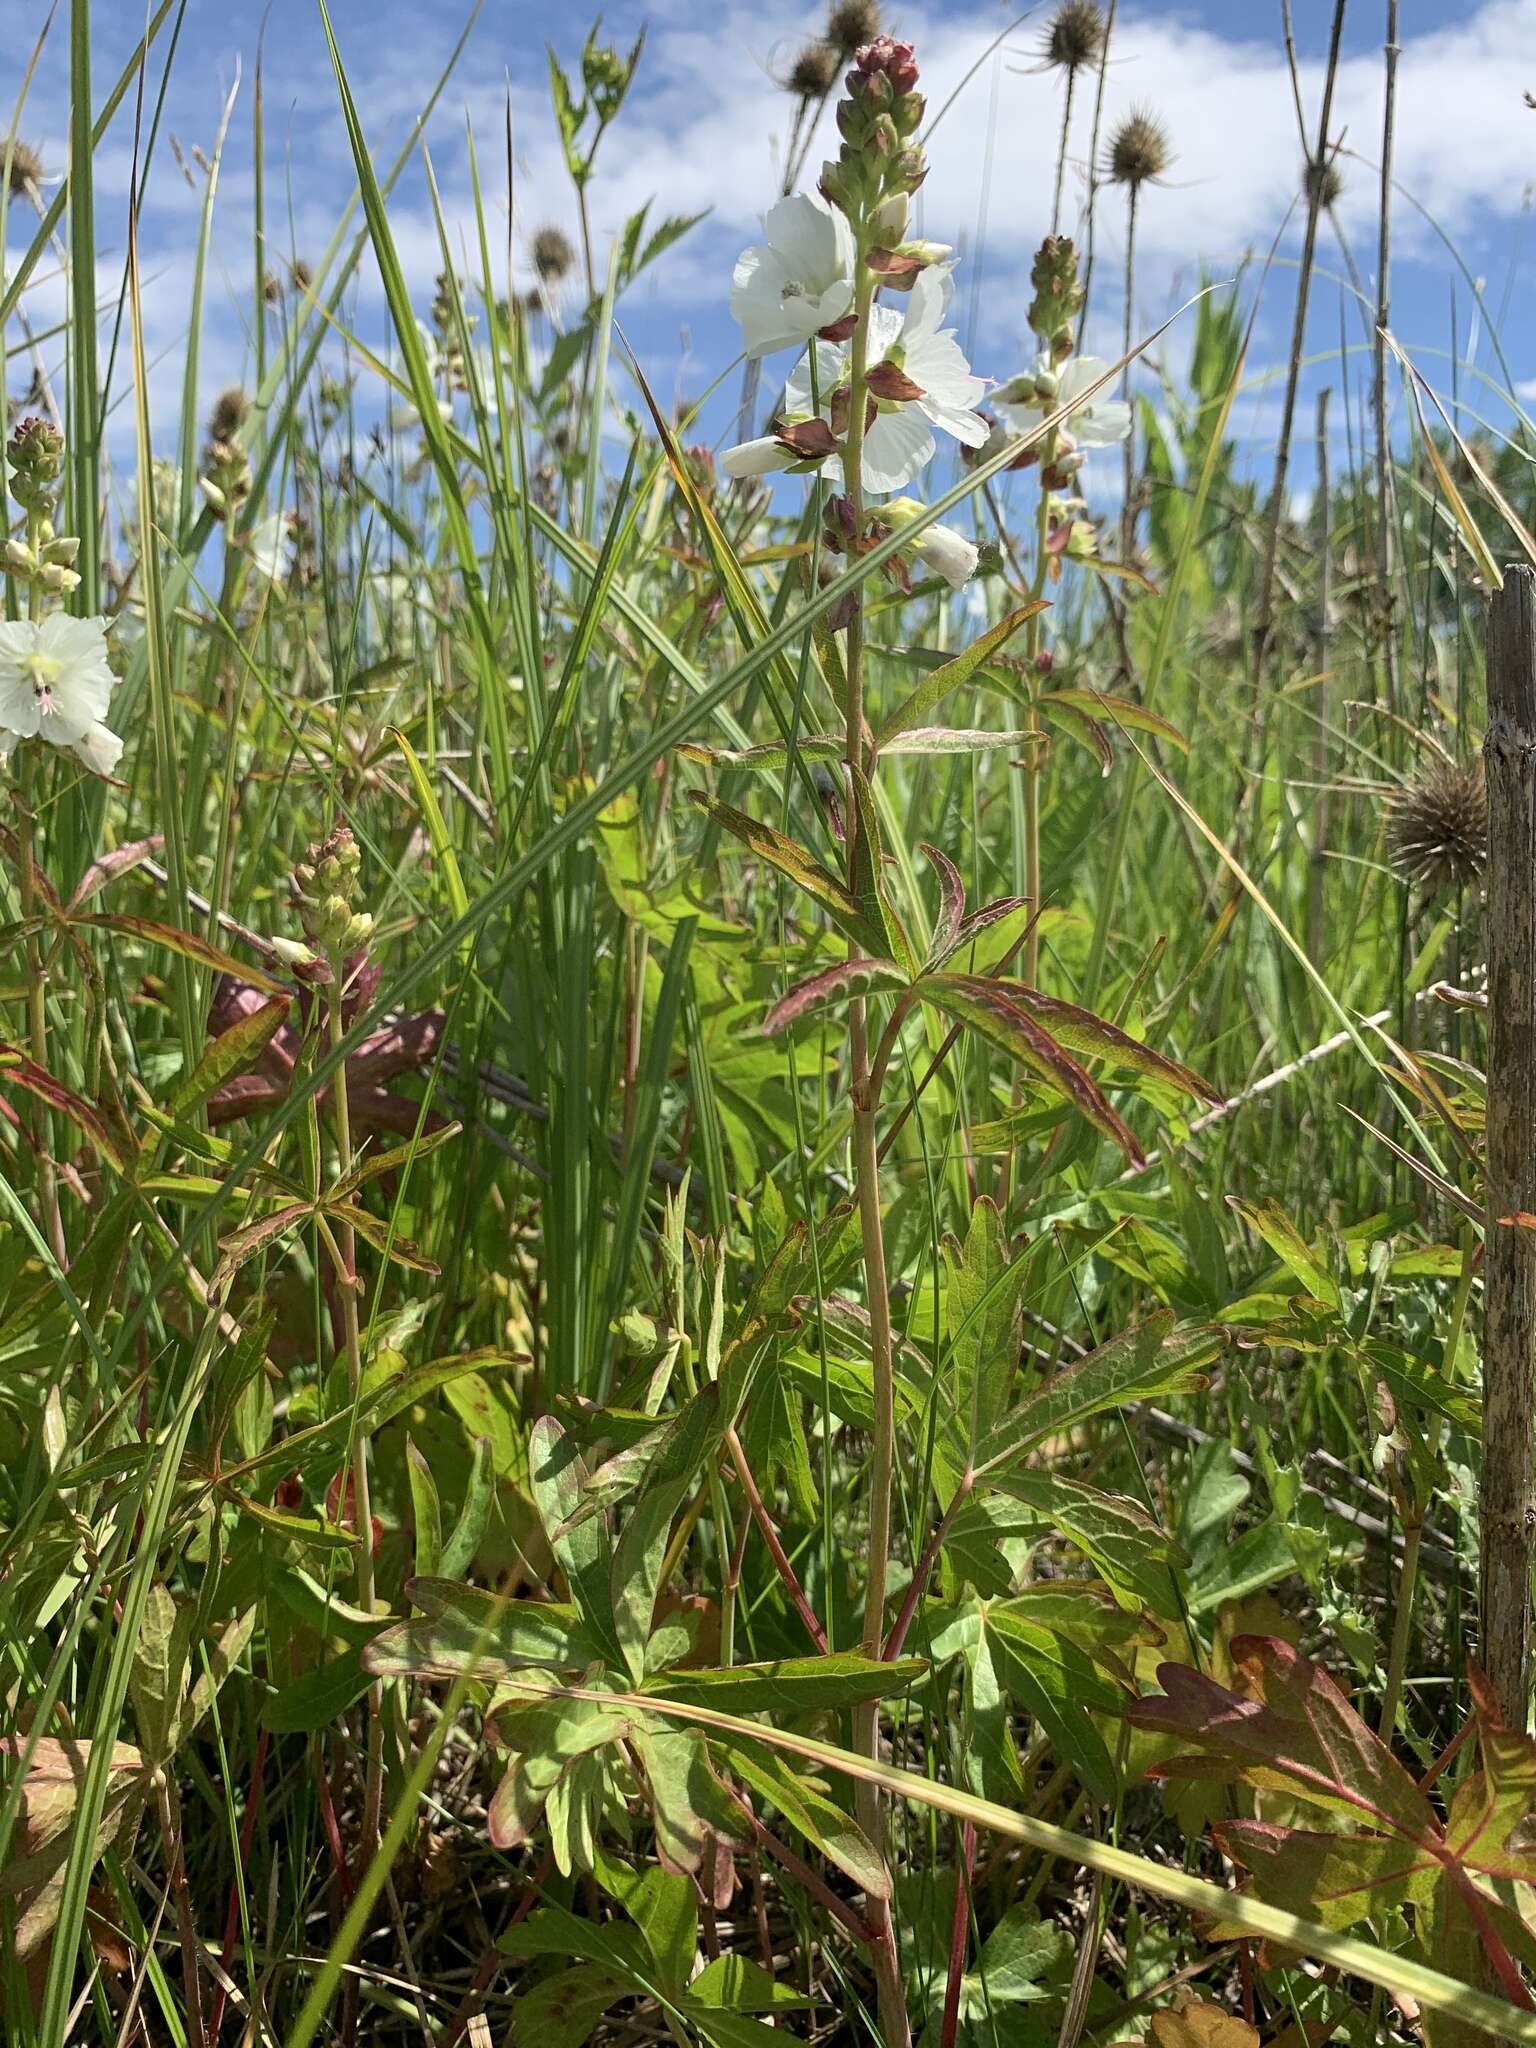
[
  {"x": 552, "y": 254},
  {"x": 851, "y": 24},
  {"x": 27, "y": 171},
  {"x": 1324, "y": 182},
  {"x": 1437, "y": 828},
  {"x": 814, "y": 71},
  {"x": 231, "y": 409},
  {"x": 1139, "y": 151},
  {"x": 1074, "y": 36}
]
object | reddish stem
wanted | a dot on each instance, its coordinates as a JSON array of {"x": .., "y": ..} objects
[
  {"x": 903, "y": 1622},
  {"x": 776, "y": 1550},
  {"x": 959, "y": 1929}
]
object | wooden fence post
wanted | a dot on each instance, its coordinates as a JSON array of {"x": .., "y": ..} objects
[{"x": 1508, "y": 1495}]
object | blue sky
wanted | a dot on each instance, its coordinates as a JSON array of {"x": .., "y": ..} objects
[{"x": 706, "y": 120}]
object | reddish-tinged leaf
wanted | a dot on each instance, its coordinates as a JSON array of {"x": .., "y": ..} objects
[
  {"x": 1094, "y": 1037},
  {"x": 991, "y": 1014},
  {"x": 971, "y": 928},
  {"x": 121, "y": 861},
  {"x": 397, "y": 1156},
  {"x": 946, "y": 932},
  {"x": 375, "y": 1231},
  {"x": 1085, "y": 729},
  {"x": 188, "y": 944},
  {"x": 938, "y": 683},
  {"x": 801, "y": 867},
  {"x": 237, "y": 1047},
  {"x": 244, "y": 1244},
  {"x": 21, "y": 1072},
  {"x": 1290, "y": 1730},
  {"x": 400, "y": 1048},
  {"x": 868, "y": 879},
  {"x": 833, "y": 986},
  {"x": 1119, "y": 711}
]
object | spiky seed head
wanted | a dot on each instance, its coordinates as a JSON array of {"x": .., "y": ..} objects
[
  {"x": 272, "y": 288},
  {"x": 1437, "y": 832},
  {"x": 303, "y": 276},
  {"x": 1139, "y": 150},
  {"x": 230, "y": 411},
  {"x": 814, "y": 72},
  {"x": 851, "y": 24},
  {"x": 27, "y": 172},
  {"x": 1325, "y": 183},
  {"x": 1074, "y": 36},
  {"x": 552, "y": 254}
]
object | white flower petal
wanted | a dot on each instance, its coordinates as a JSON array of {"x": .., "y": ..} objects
[
  {"x": 99, "y": 749},
  {"x": 756, "y": 458},
  {"x": 949, "y": 553}
]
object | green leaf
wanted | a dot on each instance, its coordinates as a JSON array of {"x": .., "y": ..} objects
[
  {"x": 1270, "y": 1222},
  {"x": 738, "y": 1984},
  {"x": 426, "y": 1512},
  {"x": 663, "y": 1906},
  {"x": 1127, "y": 1548},
  {"x": 792, "y": 1685},
  {"x": 562, "y": 2011},
  {"x": 809, "y": 1811},
  {"x": 981, "y": 1308},
  {"x": 579, "y": 1540},
  {"x": 233, "y": 1050},
  {"x": 990, "y": 1012},
  {"x": 937, "y": 685},
  {"x": 465, "y": 1630},
  {"x": 801, "y": 867},
  {"x": 468, "y": 1533},
  {"x": 1152, "y": 1359},
  {"x": 318, "y": 1698}
]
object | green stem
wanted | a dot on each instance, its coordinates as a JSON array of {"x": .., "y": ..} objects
[
  {"x": 863, "y": 1093},
  {"x": 373, "y": 1789},
  {"x": 37, "y": 979}
]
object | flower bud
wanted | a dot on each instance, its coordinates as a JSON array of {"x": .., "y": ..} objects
[
  {"x": 36, "y": 456},
  {"x": 888, "y": 222}
]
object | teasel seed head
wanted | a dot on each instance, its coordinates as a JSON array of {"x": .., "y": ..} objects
[
  {"x": 1139, "y": 151},
  {"x": 814, "y": 71},
  {"x": 553, "y": 256},
  {"x": 1324, "y": 182},
  {"x": 230, "y": 411},
  {"x": 27, "y": 172},
  {"x": 851, "y": 24},
  {"x": 1074, "y": 36},
  {"x": 1437, "y": 830}
]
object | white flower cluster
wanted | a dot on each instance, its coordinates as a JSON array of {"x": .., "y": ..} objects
[
  {"x": 55, "y": 683},
  {"x": 796, "y": 290}
]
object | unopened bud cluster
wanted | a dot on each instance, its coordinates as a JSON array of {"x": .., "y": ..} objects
[
  {"x": 1058, "y": 299},
  {"x": 226, "y": 479},
  {"x": 880, "y": 163},
  {"x": 325, "y": 891},
  {"x": 44, "y": 558},
  {"x": 36, "y": 458}
]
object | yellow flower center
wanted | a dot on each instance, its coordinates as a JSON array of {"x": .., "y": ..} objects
[{"x": 42, "y": 668}]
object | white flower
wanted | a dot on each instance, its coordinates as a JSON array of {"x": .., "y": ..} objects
[
  {"x": 267, "y": 546},
  {"x": 947, "y": 552},
  {"x": 900, "y": 439},
  {"x": 1096, "y": 422},
  {"x": 799, "y": 281},
  {"x": 756, "y": 458},
  {"x": 99, "y": 749},
  {"x": 55, "y": 683}
]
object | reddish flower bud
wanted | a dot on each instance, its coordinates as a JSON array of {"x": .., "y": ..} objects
[{"x": 886, "y": 58}]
